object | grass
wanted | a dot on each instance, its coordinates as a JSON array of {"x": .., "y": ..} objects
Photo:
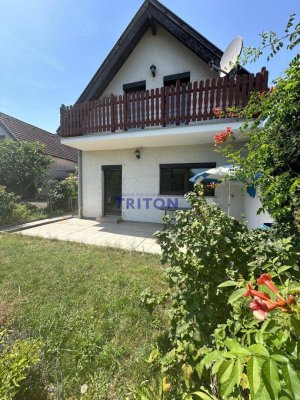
[{"x": 83, "y": 302}]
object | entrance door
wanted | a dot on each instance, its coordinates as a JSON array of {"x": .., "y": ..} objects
[{"x": 112, "y": 189}]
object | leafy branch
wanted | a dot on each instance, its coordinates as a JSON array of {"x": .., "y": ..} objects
[{"x": 272, "y": 41}]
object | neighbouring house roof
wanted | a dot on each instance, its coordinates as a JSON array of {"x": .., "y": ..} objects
[
  {"x": 24, "y": 132},
  {"x": 148, "y": 16}
]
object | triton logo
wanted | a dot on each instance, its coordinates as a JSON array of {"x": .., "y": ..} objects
[{"x": 146, "y": 203}]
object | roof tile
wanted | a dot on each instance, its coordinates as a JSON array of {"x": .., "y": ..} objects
[{"x": 22, "y": 131}]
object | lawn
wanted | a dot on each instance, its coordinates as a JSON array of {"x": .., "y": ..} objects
[{"x": 83, "y": 302}]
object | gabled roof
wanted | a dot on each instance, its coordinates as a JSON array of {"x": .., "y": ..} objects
[
  {"x": 23, "y": 132},
  {"x": 151, "y": 13}
]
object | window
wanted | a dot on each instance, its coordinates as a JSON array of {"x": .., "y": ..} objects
[
  {"x": 175, "y": 178},
  {"x": 172, "y": 79},
  {"x": 133, "y": 102},
  {"x": 134, "y": 87}
]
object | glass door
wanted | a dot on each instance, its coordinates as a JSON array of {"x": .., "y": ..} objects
[{"x": 112, "y": 190}]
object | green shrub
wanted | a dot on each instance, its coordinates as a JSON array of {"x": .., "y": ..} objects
[
  {"x": 255, "y": 355},
  {"x": 13, "y": 211},
  {"x": 21, "y": 213},
  {"x": 23, "y": 167},
  {"x": 203, "y": 249},
  {"x": 270, "y": 157},
  {"x": 17, "y": 356},
  {"x": 8, "y": 204},
  {"x": 63, "y": 194}
]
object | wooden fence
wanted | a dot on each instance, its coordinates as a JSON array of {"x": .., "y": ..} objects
[{"x": 171, "y": 105}]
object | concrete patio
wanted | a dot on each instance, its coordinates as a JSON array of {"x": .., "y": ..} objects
[{"x": 127, "y": 235}]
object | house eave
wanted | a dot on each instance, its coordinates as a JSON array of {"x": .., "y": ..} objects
[{"x": 199, "y": 133}]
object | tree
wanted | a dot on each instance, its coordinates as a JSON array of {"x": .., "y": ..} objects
[
  {"x": 23, "y": 167},
  {"x": 270, "y": 158}
]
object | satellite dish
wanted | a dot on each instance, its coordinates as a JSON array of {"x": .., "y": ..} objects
[{"x": 229, "y": 58}]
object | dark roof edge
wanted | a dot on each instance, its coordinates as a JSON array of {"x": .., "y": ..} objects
[
  {"x": 114, "y": 50},
  {"x": 189, "y": 28},
  {"x": 132, "y": 34}
]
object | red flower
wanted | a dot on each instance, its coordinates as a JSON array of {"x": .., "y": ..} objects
[
  {"x": 217, "y": 111},
  {"x": 262, "y": 302},
  {"x": 255, "y": 293},
  {"x": 259, "y": 308},
  {"x": 212, "y": 185},
  {"x": 220, "y": 138},
  {"x": 266, "y": 280}
]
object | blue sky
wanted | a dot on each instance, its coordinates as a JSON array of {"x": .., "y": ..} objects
[{"x": 50, "y": 49}]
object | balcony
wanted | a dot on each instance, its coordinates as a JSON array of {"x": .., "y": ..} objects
[{"x": 172, "y": 105}]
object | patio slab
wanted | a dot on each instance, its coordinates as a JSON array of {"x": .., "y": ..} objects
[{"x": 126, "y": 235}]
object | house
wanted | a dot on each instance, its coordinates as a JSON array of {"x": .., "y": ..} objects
[
  {"x": 144, "y": 124},
  {"x": 64, "y": 157}
]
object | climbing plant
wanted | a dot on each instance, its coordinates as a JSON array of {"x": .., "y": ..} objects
[{"x": 233, "y": 294}]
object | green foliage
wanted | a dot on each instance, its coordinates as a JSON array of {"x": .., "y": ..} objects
[
  {"x": 257, "y": 360},
  {"x": 148, "y": 299},
  {"x": 12, "y": 210},
  {"x": 145, "y": 392},
  {"x": 272, "y": 127},
  {"x": 201, "y": 250},
  {"x": 273, "y": 42},
  {"x": 23, "y": 167},
  {"x": 273, "y": 148},
  {"x": 8, "y": 202},
  {"x": 17, "y": 357},
  {"x": 63, "y": 194},
  {"x": 207, "y": 253}
]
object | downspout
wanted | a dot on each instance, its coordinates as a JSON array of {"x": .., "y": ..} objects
[{"x": 80, "y": 212}]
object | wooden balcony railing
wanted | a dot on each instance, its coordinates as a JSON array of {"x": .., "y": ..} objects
[{"x": 173, "y": 105}]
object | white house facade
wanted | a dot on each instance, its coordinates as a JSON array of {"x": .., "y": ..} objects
[{"x": 145, "y": 123}]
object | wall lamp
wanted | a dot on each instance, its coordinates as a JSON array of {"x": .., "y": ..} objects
[
  {"x": 137, "y": 153},
  {"x": 153, "y": 69}
]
